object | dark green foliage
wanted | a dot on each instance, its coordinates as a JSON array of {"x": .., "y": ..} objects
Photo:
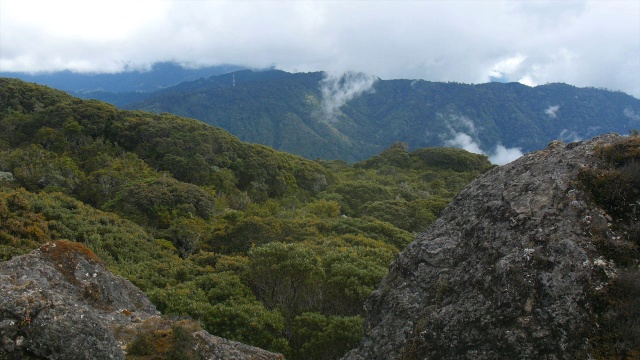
[
  {"x": 613, "y": 185},
  {"x": 411, "y": 216},
  {"x": 618, "y": 333},
  {"x": 356, "y": 193},
  {"x": 449, "y": 159},
  {"x": 109, "y": 176},
  {"x": 351, "y": 274},
  {"x": 259, "y": 246},
  {"x": 21, "y": 97},
  {"x": 36, "y": 168},
  {"x": 147, "y": 200},
  {"x": 319, "y": 337},
  {"x": 285, "y": 277}
]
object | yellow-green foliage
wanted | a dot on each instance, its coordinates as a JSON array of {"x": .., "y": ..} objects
[{"x": 259, "y": 246}]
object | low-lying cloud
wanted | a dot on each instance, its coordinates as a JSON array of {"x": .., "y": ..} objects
[
  {"x": 628, "y": 112},
  {"x": 338, "y": 88},
  {"x": 463, "y": 134},
  {"x": 552, "y": 111},
  {"x": 500, "y": 155},
  {"x": 569, "y": 136},
  {"x": 464, "y": 141}
]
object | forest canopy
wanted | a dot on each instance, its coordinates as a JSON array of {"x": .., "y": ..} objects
[{"x": 259, "y": 246}]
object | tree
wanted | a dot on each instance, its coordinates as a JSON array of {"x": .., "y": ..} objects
[
  {"x": 285, "y": 277},
  {"x": 36, "y": 168},
  {"x": 317, "y": 337}
]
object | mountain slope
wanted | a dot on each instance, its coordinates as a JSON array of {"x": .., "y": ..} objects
[
  {"x": 259, "y": 246},
  {"x": 273, "y": 108},
  {"x": 355, "y": 116}
]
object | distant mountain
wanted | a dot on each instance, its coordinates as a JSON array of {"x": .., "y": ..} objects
[
  {"x": 161, "y": 75},
  {"x": 356, "y": 116}
]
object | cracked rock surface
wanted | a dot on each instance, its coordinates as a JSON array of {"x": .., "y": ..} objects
[
  {"x": 507, "y": 272},
  {"x": 61, "y": 302}
]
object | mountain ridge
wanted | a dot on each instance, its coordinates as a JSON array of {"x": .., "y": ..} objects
[
  {"x": 317, "y": 116},
  {"x": 352, "y": 116}
]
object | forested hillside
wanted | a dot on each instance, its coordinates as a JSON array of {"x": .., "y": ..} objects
[
  {"x": 260, "y": 246},
  {"x": 355, "y": 116}
]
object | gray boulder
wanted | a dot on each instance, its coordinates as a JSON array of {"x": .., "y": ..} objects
[
  {"x": 509, "y": 271},
  {"x": 61, "y": 302}
]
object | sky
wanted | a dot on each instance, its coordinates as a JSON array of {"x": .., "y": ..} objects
[{"x": 582, "y": 43}]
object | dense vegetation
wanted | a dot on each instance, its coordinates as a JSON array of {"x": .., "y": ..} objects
[
  {"x": 615, "y": 186},
  {"x": 257, "y": 245},
  {"x": 286, "y": 111}
]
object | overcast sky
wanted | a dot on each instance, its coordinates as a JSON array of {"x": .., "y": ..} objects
[{"x": 583, "y": 43}]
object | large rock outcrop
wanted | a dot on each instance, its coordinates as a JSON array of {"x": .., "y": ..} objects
[
  {"x": 61, "y": 302},
  {"x": 509, "y": 271}
]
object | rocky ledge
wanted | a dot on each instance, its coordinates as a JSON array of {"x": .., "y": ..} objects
[
  {"x": 511, "y": 271},
  {"x": 61, "y": 302}
]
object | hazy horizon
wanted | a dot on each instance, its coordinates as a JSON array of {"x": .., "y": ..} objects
[{"x": 583, "y": 43}]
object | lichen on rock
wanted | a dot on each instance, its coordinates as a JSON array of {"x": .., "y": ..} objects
[
  {"x": 510, "y": 271},
  {"x": 61, "y": 302}
]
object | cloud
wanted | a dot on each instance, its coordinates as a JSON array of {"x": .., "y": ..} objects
[
  {"x": 569, "y": 136},
  {"x": 464, "y": 141},
  {"x": 583, "y": 42},
  {"x": 527, "y": 80},
  {"x": 338, "y": 88},
  {"x": 502, "y": 155},
  {"x": 457, "y": 123},
  {"x": 503, "y": 69},
  {"x": 552, "y": 111},
  {"x": 628, "y": 112},
  {"x": 499, "y": 155}
]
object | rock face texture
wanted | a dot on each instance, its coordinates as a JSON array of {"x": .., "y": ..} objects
[
  {"x": 508, "y": 271},
  {"x": 60, "y": 302}
]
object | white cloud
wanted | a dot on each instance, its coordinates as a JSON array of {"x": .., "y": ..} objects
[
  {"x": 499, "y": 155},
  {"x": 584, "y": 43},
  {"x": 338, "y": 88},
  {"x": 464, "y": 141},
  {"x": 502, "y": 155},
  {"x": 457, "y": 123},
  {"x": 527, "y": 80},
  {"x": 552, "y": 111},
  {"x": 569, "y": 136},
  {"x": 628, "y": 112},
  {"x": 504, "y": 68}
]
